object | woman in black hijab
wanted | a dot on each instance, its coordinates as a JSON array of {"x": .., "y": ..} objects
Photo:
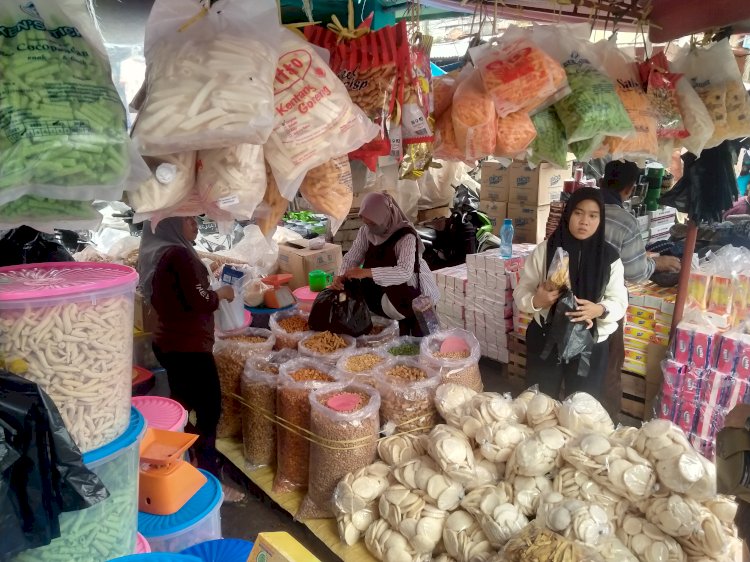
[{"x": 597, "y": 281}]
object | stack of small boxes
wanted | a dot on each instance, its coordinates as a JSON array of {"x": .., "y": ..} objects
[
  {"x": 648, "y": 320},
  {"x": 493, "y": 197},
  {"x": 452, "y": 305},
  {"x": 656, "y": 225}
]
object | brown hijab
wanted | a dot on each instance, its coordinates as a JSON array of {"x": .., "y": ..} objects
[{"x": 382, "y": 209}]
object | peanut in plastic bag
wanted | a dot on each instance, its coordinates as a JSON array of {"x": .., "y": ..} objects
[{"x": 474, "y": 119}]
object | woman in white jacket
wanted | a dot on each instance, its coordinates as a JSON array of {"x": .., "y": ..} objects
[{"x": 597, "y": 281}]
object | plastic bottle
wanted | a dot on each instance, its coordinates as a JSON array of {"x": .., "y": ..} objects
[{"x": 506, "y": 239}]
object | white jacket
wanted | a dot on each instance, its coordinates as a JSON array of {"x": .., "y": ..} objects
[{"x": 615, "y": 297}]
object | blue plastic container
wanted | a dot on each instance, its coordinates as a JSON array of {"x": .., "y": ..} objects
[
  {"x": 157, "y": 557},
  {"x": 108, "y": 529},
  {"x": 198, "y": 521},
  {"x": 222, "y": 550}
]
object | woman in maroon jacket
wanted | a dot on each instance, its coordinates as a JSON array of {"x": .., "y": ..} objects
[{"x": 175, "y": 281}]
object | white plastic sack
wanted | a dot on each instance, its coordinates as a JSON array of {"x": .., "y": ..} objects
[
  {"x": 438, "y": 186},
  {"x": 255, "y": 249},
  {"x": 209, "y": 77}
]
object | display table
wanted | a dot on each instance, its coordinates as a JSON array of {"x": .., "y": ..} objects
[{"x": 324, "y": 529}]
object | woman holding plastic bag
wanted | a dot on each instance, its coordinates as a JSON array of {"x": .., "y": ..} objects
[
  {"x": 175, "y": 281},
  {"x": 586, "y": 275},
  {"x": 393, "y": 271}
]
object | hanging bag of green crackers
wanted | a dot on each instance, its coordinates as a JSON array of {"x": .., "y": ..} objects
[{"x": 62, "y": 124}]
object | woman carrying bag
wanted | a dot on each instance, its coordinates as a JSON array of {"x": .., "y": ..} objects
[
  {"x": 389, "y": 251},
  {"x": 597, "y": 281}
]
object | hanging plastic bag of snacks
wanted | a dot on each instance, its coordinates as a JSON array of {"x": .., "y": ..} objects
[
  {"x": 328, "y": 189},
  {"x": 345, "y": 424},
  {"x": 697, "y": 119},
  {"x": 518, "y": 75},
  {"x": 407, "y": 391},
  {"x": 297, "y": 379},
  {"x": 445, "y": 147},
  {"x": 455, "y": 355},
  {"x": 661, "y": 88},
  {"x": 474, "y": 119},
  {"x": 172, "y": 181},
  {"x": 550, "y": 144},
  {"x": 515, "y": 132},
  {"x": 443, "y": 88},
  {"x": 268, "y": 214}
]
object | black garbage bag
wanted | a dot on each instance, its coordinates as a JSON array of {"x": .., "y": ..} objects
[
  {"x": 572, "y": 340},
  {"x": 26, "y": 245},
  {"x": 43, "y": 474},
  {"x": 341, "y": 312}
]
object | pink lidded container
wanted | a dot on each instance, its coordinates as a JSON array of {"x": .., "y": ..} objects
[
  {"x": 68, "y": 326},
  {"x": 141, "y": 545},
  {"x": 161, "y": 413},
  {"x": 305, "y": 298}
]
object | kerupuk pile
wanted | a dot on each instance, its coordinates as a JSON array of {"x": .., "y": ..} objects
[{"x": 532, "y": 478}]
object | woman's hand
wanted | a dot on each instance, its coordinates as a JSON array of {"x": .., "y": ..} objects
[
  {"x": 338, "y": 283},
  {"x": 358, "y": 273},
  {"x": 544, "y": 296},
  {"x": 225, "y": 293},
  {"x": 587, "y": 311}
]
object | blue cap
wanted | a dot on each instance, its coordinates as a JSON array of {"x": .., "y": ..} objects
[
  {"x": 508, "y": 221},
  {"x": 133, "y": 433},
  {"x": 201, "y": 504},
  {"x": 221, "y": 550},
  {"x": 157, "y": 557}
]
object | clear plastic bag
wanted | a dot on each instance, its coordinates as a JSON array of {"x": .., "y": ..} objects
[
  {"x": 536, "y": 543},
  {"x": 209, "y": 78},
  {"x": 697, "y": 119},
  {"x": 455, "y": 354},
  {"x": 407, "y": 391},
  {"x": 232, "y": 180},
  {"x": 47, "y": 215},
  {"x": 326, "y": 347},
  {"x": 328, "y": 189},
  {"x": 360, "y": 364},
  {"x": 446, "y": 147},
  {"x": 231, "y": 352},
  {"x": 550, "y": 144},
  {"x": 315, "y": 117},
  {"x": 474, "y": 119},
  {"x": 290, "y": 327},
  {"x": 297, "y": 379},
  {"x": 345, "y": 424},
  {"x": 384, "y": 330},
  {"x": 443, "y": 88},
  {"x": 172, "y": 181},
  {"x": 272, "y": 208},
  {"x": 62, "y": 123},
  {"x": 515, "y": 132},
  {"x": 558, "y": 275},
  {"x": 403, "y": 346}
]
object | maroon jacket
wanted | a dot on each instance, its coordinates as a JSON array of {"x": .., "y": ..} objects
[{"x": 184, "y": 303}]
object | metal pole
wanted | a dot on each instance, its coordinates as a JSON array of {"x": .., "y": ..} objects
[{"x": 687, "y": 259}]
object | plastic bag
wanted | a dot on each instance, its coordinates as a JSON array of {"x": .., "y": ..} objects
[
  {"x": 297, "y": 379},
  {"x": 407, "y": 391},
  {"x": 697, "y": 119},
  {"x": 455, "y": 355},
  {"x": 621, "y": 68},
  {"x": 342, "y": 312},
  {"x": 345, "y": 424},
  {"x": 232, "y": 179},
  {"x": 536, "y": 543},
  {"x": 272, "y": 208},
  {"x": 254, "y": 292},
  {"x": 172, "y": 181},
  {"x": 515, "y": 132},
  {"x": 558, "y": 275},
  {"x": 290, "y": 327},
  {"x": 518, "y": 75},
  {"x": 328, "y": 189},
  {"x": 315, "y": 118},
  {"x": 550, "y": 144},
  {"x": 573, "y": 339},
  {"x": 231, "y": 352},
  {"x": 25, "y": 245},
  {"x": 360, "y": 364},
  {"x": 326, "y": 347},
  {"x": 446, "y": 147},
  {"x": 62, "y": 124},
  {"x": 661, "y": 87},
  {"x": 474, "y": 119},
  {"x": 209, "y": 77},
  {"x": 383, "y": 331},
  {"x": 443, "y": 88}
]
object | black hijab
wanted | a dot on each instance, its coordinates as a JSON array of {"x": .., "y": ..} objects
[{"x": 590, "y": 259}]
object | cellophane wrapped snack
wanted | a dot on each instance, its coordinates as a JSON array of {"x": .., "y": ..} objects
[
  {"x": 661, "y": 87},
  {"x": 550, "y": 144},
  {"x": 62, "y": 125},
  {"x": 455, "y": 366},
  {"x": 232, "y": 179},
  {"x": 474, "y": 119},
  {"x": 697, "y": 119},
  {"x": 558, "y": 275},
  {"x": 209, "y": 79},
  {"x": 443, "y": 88},
  {"x": 172, "y": 181},
  {"x": 328, "y": 189},
  {"x": 515, "y": 132},
  {"x": 290, "y": 327},
  {"x": 345, "y": 424},
  {"x": 315, "y": 119},
  {"x": 714, "y": 74},
  {"x": 446, "y": 147},
  {"x": 297, "y": 379},
  {"x": 518, "y": 75},
  {"x": 407, "y": 391},
  {"x": 272, "y": 208}
]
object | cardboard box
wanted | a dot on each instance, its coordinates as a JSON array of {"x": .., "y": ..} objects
[
  {"x": 529, "y": 223},
  {"x": 279, "y": 547},
  {"x": 495, "y": 181},
  {"x": 429, "y": 214},
  {"x": 497, "y": 211},
  {"x": 297, "y": 258},
  {"x": 144, "y": 318},
  {"x": 532, "y": 187}
]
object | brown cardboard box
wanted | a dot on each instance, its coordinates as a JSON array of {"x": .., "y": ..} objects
[
  {"x": 429, "y": 214},
  {"x": 655, "y": 354},
  {"x": 144, "y": 318},
  {"x": 279, "y": 547},
  {"x": 529, "y": 223},
  {"x": 495, "y": 181},
  {"x": 532, "y": 187},
  {"x": 497, "y": 211},
  {"x": 298, "y": 259}
]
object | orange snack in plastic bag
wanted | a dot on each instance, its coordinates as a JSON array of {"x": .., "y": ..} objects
[
  {"x": 644, "y": 142},
  {"x": 519, "y": 76},
  {"x": 443, "y": 88},
  {"x": 698, "y": 290},
  {"x": 445, "y": 147},
  {"x": 515, "y": 133},
  {"x": 474, "y": 122}
]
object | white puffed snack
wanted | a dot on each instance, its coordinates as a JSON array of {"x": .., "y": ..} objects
[
  {"x": 538, "y": 454},
  {"x": 647, "y": 542},
  {"x": 423, "y": 474},
  {"x": 677, "y": 516},
  {"x": 581, "y": 412},
  {"x": 425, "y": 531},
  {"x": 355, "y": 500},
  {"x": 452, "y": 451},
  {"x": 575, "y": 484},
  {"x": 398, "y": 449},
  {"x": 69, "y": 328},
  {"x": 472, "y": 501},
  {"x": 210, "y": 83},
  {"x": 528, "y": 490},
  {"x": 574, "y": 519},
  {"x": 498, "y": 440},
  {"x": 541, "y": 412},
  {"x": 172, "y": 182},
  {"x": 463, "y": 537},
  {"x": 388, "y": 545},
  {"x": 451, "y": 400},
  {"x": 398, "y": 503},
  {"x": 487, "y": 472}
]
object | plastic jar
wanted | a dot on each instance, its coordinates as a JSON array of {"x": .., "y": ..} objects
[
  {"x": 69, "y": 328},
  {"x": 222, "y": 550}
]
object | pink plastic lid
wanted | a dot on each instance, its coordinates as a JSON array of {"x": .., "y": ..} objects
[
  {"x": 161, "y": 413},
  {"x": 141, "y": 544},
  {"x": 454, "y": 344},
  {"x": 344, "y": 402},
  {"x": 305, "y": 294},
  {"x": 47, "y": 280}
]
